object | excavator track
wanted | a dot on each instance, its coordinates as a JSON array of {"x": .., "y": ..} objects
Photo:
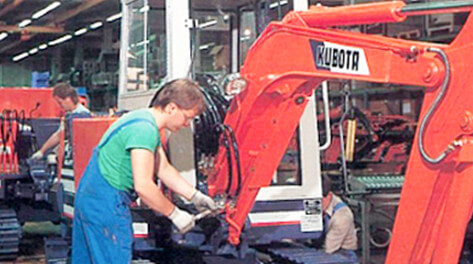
[
  {"x": 302, "y": 255},
  {"x": 10, "y": 234}
]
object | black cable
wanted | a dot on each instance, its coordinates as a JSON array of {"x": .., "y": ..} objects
[
  {"x": 34, "y": 109},
  {"x": 237, "y": 156},
  {"x": 229, "y": 160}
]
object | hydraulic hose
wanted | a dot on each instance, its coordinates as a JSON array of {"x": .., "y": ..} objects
[{"x": 434, "y": 106}]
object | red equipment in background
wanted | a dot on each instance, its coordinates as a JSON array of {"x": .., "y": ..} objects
[
  {"x": 36, "y": 102},
  {"x": 19, "y": 104},
  {"x": 94, "y": 129},
  {"x": 437, "y": 197},
  {"x": 383, "y": 142}
]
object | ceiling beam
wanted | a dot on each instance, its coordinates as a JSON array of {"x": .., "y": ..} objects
[
  {"x": 31, "y": 29},
  {"x": 10, "y": 7},
  {"x": 59, "y": 19},
  {"x": 74, "y": 12}
]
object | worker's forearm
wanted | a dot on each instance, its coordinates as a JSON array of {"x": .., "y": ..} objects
[
  {"x": 153, "y": 197},
  {"x": 52, "y": 141},
  {"x": 174, "y": 181}
]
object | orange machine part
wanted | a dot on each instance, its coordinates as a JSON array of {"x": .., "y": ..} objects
[
  {"x": 282, "y": 71},
  {"x": 87, "y": 133},
  {"x": 28, "y": 99}
]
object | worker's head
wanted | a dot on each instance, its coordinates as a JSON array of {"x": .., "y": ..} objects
[
  {"x": 326, "y": 191},
  {"x": 221, "y": 57},
  {"x": 181, "y": 100},
  {"x": 66, "y": 96},
  {"x": 326, "y": 185}
]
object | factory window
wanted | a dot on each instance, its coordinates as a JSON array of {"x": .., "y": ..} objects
[{"x": 146, "y": 51}]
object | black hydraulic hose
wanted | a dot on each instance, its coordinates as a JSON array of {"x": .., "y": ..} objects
[
  {"x": 237, "y": 156},
  {"x": 433, "y": 107},
  {"x": 15, "y": 117},
  {"x": 229, "y": 158},
  {"x": 34, "y": 109},
  {"x": 2, "y": 132}
]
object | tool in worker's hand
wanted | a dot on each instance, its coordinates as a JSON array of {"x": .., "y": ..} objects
[{"x": 206, "y": 213}]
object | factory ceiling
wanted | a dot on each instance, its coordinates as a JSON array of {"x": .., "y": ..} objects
[{"x": 38, "y": 25}]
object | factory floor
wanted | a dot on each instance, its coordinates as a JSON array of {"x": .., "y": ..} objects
[{"x": 32, "y": 244}]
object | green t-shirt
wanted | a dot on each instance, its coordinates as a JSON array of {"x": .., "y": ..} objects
[{"x": 114, "y": 157}]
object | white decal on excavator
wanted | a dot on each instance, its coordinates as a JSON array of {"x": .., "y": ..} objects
[{"x": 339, "y": 58}]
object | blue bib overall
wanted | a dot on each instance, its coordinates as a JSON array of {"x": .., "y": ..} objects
[{"x": 102, "y": 228}]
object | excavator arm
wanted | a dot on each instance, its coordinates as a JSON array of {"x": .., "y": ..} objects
[{"x": 292, "y": 57}]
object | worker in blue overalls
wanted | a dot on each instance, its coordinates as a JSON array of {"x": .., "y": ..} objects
[
  {"x": 339, "y": 225},
  {"x": 68, "y": 100},
  {"x": 125, "y": 161}
]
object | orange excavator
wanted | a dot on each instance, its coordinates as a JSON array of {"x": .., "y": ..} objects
[
  {"x": 288, "y": 61},
  {"x": 437, "y": 196}
]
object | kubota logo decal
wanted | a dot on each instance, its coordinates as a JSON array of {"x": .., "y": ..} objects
[{"x": 339, "y": 58}]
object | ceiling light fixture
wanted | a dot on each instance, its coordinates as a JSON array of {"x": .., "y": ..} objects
[
  {"x": 20, "y": 56},
  {"x": 208, "y": 23},
  {"x": 80, "y": 31},
  {"x": 60, "y": 40},
  {"x": 114, "y": 17},
  {"x": 144, "y": 9},
  {"x": 278, "y": 3},
  {"x": 3, "y": 35},
  {"x": 96, "y": 25},
  {"x": 45, "y": 10},
  {"x": 24, "y": 23},
  {"x": 33, "y": 51},
  {"x": 43, "y": 46}
]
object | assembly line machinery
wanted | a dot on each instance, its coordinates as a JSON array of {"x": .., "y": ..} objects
[
  {"x": 28, "y": 190},
  {"x": 272, "y": 119}
]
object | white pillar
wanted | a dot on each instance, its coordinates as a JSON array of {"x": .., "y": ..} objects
[{"x": 178, "y": 38}]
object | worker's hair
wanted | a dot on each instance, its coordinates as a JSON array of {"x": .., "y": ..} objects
[
  {"x": 326, "y": 185},
  {"x": 185, "y": 93},
  {"x": 64, "y": 90}
]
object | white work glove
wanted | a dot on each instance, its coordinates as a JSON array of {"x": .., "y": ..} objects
[
  {"x": 202, "y": 202},
  {"x": 182, "y": 220},
  {"x": 37, "y": 155}
]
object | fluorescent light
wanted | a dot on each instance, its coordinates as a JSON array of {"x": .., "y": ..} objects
[
  {"x": 206, "y": 46},
  {"x": 43, "y": 46},
  {"x": 3, "y": 35},
  {"x": 33, "y": 51},
  {"x": 144, "y": 9},
  {"x": 141, "y": 43},
  {"x": 114, "y": 17},
  {"x": 280, "y": 3},
  {"x": 20, "y": 56},
  {"x": 60, "y": 40},
  {"x": 208, "y": 23},
  {"x": 80, "y": 31},
  {"x": 96, "y": 25},
  {"x": 45, "y": 10},
  {"x": 24, "y": 23}
]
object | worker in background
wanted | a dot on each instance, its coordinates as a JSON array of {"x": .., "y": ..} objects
[
  {"x": 339, "y": 226},
  {"x": 126, "y": 160},
  {"x": 67, "y": 98},
  {"x": 221, "y": 61},
  {"x": 221, "y": 57}
]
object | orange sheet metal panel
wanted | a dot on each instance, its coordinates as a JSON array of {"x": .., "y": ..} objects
[
  {"x": 36, "y": 102},
  {"x": 87, "y": 132}
]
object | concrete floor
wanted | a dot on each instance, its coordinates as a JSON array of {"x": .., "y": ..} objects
[{"x": 32, "y": 244}]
